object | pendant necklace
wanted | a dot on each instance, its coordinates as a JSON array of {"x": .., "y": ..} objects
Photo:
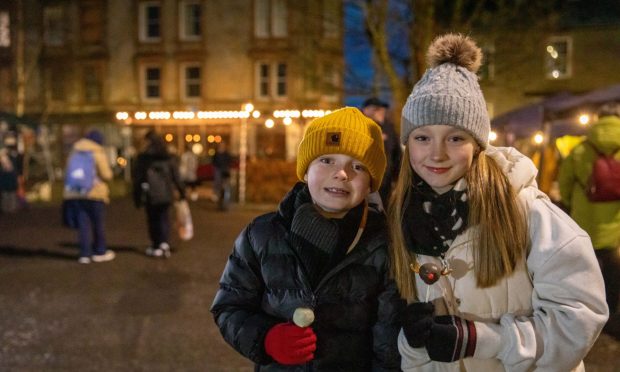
[{"x": 430, "y": 272}]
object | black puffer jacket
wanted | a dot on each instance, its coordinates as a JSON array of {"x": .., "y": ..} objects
[{"x": 356, "y": 305}]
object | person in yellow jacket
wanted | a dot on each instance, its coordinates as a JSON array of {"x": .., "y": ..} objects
[
  {"x": 601, "y": 220},
  {"x": 85, "y": 208}
]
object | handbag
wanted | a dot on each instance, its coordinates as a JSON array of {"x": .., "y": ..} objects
[{"x": 184, "y": 224}]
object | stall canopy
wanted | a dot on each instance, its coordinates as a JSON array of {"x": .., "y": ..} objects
[{"x": 558, "y": 111}]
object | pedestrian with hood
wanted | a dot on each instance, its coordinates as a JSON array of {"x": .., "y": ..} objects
[
  {"x": 155, "y": 180},
  {"x": 85, "y": 195},
  {"x": 321, "y": 257},
  {"x": 496, "y": 276},
  {"x": 599, "y": 218}
]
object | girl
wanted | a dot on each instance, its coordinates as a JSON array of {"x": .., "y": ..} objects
[{"x": 497, "y": 277}]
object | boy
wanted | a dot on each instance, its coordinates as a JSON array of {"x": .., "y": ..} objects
[{"x": 325, "y": 249}]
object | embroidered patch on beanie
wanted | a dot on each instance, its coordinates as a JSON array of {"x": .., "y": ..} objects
[{"x": 344, "y": 131}]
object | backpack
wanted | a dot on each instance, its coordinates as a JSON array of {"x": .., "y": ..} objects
[
  {"x": 604, "y": 183},
  {"x": 159, "y": 183},
  {"x": 80, "y": 173}
]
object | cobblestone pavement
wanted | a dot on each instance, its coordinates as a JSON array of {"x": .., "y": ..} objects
[{"x": 134, "y": 313}]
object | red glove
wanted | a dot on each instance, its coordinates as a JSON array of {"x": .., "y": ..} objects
[{"x": 289, "y": 344}]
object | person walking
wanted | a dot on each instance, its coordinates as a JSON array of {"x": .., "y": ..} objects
[
  {"x": 497, "y": 277},
  {"x": 85, "y": 199},
  {"x": 10, "y": 173},
  {"x": 600, "y": 219},
  {"x": 307, "y": 287},
  {"x": 187, "y": 170},
  {"x": 222, "y": 161},
  {"x": 155, "y": 178},
  {"x": 376, "y": 109}
]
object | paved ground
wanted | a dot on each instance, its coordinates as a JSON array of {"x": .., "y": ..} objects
[{"x": 134, "y": 313}]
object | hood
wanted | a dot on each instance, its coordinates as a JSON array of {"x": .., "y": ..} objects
[
  {"x": 85, "y": 144},
  {"x": 605, "y": 134},
  {"x": 519, "y": 169}
]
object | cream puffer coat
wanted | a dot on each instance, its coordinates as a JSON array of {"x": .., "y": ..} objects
[
  {"x": 100, "y": 190},
  {"x": 544, "y": 317}
]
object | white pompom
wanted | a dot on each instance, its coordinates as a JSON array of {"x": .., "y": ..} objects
[{"x": 303, "y": 317}]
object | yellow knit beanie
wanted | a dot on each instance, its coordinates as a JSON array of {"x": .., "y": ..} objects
[{"x": 344, "y": 131}]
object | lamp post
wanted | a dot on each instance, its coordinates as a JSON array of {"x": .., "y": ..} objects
[{"x": 243, "y": 150}]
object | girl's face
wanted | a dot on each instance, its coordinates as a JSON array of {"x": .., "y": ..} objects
[
  {"x": 441, "y": 154},
  {"x": 337, "y": 183}
]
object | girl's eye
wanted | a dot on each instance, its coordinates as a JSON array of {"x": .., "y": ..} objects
[
  {"x": 359, "y": 167},
  {"x": 456, "y": 139},
  {"x": 421, "y": 138},
  {"x": 325, "y": 160}
]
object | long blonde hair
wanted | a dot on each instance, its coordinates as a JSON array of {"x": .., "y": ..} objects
[{"x": 502, "y": 235}]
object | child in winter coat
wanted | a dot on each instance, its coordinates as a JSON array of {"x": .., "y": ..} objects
[
  {"x": 324, "y": 251},
  {"x": 497, "y": 277}
]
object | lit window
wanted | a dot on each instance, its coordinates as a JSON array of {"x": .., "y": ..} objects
[
  {"x": 191, "y": 81},
  {"x": 558, "y": 54},
  {"x": 152, "y": 83},
  {"x": 190, "y": 20},
  {"x": 5, "y": 29},
  {"x": 263, "y": 80},
  {"x": 281, "y": 81},
  {"x": 270, "y": 18},
  {"x": 331, "y": 18},
  {"x": 150, "y": 21},
  {"x": 53, "y": 26},
  {"x": 271, "y": 80}
]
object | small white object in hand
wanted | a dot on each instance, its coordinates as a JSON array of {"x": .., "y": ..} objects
[{"x": 303, "y": 317}]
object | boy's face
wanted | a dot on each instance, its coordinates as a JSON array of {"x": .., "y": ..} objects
[{"x": 337, "y": 183}]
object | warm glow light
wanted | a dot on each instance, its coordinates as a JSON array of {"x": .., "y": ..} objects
[
  {"x": 218, "y": 138},
  {"x": 122, "y": 115},
  {"x": 269, "y": 123},
  {"x": 188, "y": 138},
  {"x": 256, "y": 114},
  {"x": 492, "y": 136},
  {"x": 197, "y": 148},
  {"x": 169, "y": 137},
  {"x": 287, "y": 121},
  {"x": 121, "y": 161},
  {"x": 248, "y": 107},
  {"x": 196, "y": 137},
  {"x": 584, "y": 119},
  {"x": 140, "y": 115},
  {"x": 538, "y": 138},
  {"x": 555, "y": 74},
  {"x": 210, "y": 138}
]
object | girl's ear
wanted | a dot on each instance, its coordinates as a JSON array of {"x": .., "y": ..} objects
[{"x": 306, "y": 177}]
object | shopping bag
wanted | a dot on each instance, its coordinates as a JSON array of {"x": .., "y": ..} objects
[{"x": 184, "y": 224}]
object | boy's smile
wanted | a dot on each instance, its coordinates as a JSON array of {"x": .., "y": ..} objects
[{"x": 337, "y": 183}]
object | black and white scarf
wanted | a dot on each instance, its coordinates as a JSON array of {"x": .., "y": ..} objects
[{"x": 432, "y": 221}]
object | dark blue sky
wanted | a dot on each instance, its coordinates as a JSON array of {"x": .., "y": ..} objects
[{"x": 359, "y": 70}]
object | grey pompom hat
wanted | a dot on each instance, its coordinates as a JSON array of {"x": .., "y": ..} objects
[{"x": 449, "y": 93}]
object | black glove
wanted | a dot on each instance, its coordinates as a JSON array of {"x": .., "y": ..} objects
[
  {"x": 417, "y": 322},
  {"x": 451, "y": 338}
]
